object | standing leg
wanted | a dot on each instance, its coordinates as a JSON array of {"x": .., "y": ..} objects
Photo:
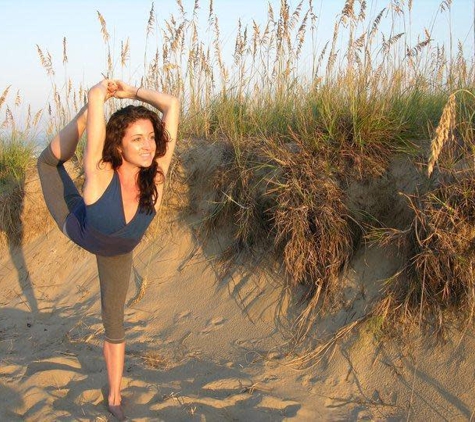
[
  {"x": 114, "y": 277},
  {"x": 114, "y": 355}
]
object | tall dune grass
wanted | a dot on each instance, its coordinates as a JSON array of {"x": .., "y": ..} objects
[
  {"x": 301, "y": 117},
  {"x": 436, "y": 282},
  {"x": 16, "y": 153},
  {"x": 16, "y": 143}
]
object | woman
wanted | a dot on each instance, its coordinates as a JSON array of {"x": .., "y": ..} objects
[{"x": 125, "y": 165}]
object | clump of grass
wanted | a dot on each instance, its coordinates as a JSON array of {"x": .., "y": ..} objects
[
  {"x": 239, "y": 183},
  {"x": 11, "y": 207},
  {"x": 17, "y": 149},
  {"x": 155, "y": 360},
  {"x": 310, "y": 219},
  {"x": 437, "y": 280},
  {"x": 283, "y": 199},
  {"x": 16, "y": 145},
  {"x": 444, "y": 233},
  {"x": 16, "y": 157},
  {"x": 356, "y": 134},
  {"x": 313, "y": 230}
]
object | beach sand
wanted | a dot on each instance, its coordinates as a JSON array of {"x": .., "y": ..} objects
[{"x": 208, "y": 345}]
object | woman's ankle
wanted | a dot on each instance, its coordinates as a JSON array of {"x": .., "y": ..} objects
[{"x": 114, "y": 399}]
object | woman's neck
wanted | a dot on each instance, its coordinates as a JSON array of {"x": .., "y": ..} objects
[{"x": 128, "y": 174}]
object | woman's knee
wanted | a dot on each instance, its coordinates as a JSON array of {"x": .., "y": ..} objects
[
  {"x": 113, "y": 326},
  {"x": 114, "y": 277},
  {"x": 48, "y": 158}
]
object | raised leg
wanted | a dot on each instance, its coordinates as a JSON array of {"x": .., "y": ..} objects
[{"x": 59, "y": 191}]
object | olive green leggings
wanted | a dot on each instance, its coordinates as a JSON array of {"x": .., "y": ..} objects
[{"x": 61, "y": 196}]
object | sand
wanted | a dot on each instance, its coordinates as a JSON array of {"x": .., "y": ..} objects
[{"x": 204, "y": 345}]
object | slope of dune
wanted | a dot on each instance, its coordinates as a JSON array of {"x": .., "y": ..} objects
[{"x": 208, "y": 345}]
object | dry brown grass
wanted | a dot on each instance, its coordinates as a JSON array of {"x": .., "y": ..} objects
[
  {"x": 282, "y": 200},
  {"x": 437, "y": 281},
  {"x": 155, "y": 360},
  {"x": 311, "y": 222}
]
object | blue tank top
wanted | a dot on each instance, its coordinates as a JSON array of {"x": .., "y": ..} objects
[{"x": 100, "y": 228}]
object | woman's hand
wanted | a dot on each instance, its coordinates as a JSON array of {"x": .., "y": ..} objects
[
  {"x": 104, "y": 89},
  {"x": 124, "y": 90}
]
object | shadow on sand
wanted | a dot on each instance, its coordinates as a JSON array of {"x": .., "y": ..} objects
[
  {"x": 56, "y": 371},
  {"x": 12, "y": 205}
]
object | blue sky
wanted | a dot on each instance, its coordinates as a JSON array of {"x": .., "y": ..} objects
[{"x": 45, "y": 22}]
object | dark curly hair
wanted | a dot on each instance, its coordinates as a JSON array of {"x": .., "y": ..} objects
[{"x": 115, "y": 131}]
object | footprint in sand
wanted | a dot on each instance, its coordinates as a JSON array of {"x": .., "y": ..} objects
[
  {"x": 309, "y": 380},
  {"x": 213, "y": 325},
  {"x": 182, "y": 317},
  {"x": 246, "y": 344}
]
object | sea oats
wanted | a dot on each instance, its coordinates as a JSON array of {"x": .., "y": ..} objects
[
  {"x": 9, "y": 121},
  {"x": 124, "y": 52},
  {"x": 391, "y": 41},
  {"x": 301, "y": 35},
  {"x": 151, "y": 21},
  {"x": 17, "y": 99},
  {"x": 105, "y": 34},
  {"x": 443, "y": 133},
  {"x": 210, "y": 13},
  {"x": 65, "y": 55},
  {"x": 196, "y": 7},
  {"x": 46, "y": 61},
  {"x": 445, "y": 5},
  {"x": 4, "y": 95},
  {"x": 295, "y": 15},
  {"x": 37, "y": 117},
  {"x": 180, "y": 5},
  {"x": 28, "y": 118},
  {"x": 362, "y": 14},
  {"x": 376, "y": 22},
  {"x": 348, "y": 12},
  {"x": 412, "y": 52}
]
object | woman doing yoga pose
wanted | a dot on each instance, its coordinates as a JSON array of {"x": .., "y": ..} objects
[{"x": 125, "y": 164}]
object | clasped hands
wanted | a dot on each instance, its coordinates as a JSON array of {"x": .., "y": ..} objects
[{"x": 109, "y": 88}]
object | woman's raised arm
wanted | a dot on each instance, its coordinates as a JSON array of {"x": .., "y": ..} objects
[
  {"x": 96, "y": 125},
  {"x": 96, "y": 178}
]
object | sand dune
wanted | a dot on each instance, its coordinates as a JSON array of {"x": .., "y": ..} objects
[{"x": 206, "y": 346}]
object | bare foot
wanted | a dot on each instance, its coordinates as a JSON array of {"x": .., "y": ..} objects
[{"x": 117, "y": 412}]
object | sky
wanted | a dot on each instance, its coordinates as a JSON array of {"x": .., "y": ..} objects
[{"x": 25, "y": 24}]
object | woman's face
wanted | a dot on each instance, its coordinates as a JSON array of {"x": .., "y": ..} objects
[{"x": 138, "y": 144}]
